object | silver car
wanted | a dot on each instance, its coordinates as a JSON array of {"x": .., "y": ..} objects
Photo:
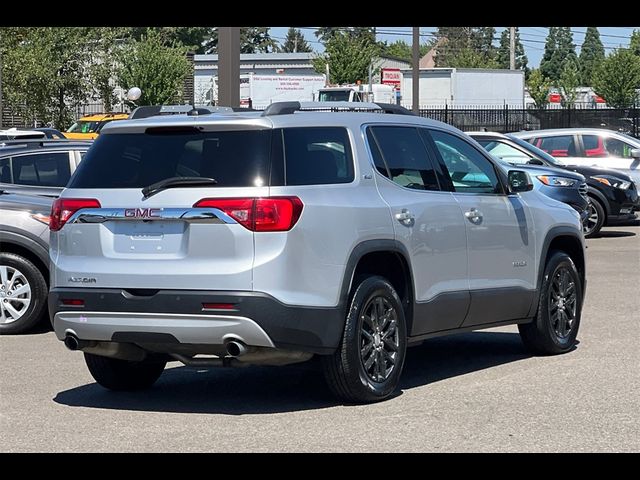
[{"x": 266, "y": 238}]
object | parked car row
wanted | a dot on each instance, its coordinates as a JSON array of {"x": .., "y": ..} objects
[{"x": 231, "y": 238}]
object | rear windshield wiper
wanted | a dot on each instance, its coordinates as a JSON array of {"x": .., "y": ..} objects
[{"x": 177, "y": 182}]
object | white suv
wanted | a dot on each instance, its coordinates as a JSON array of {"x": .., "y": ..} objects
[{"x": 265, "y": 238}]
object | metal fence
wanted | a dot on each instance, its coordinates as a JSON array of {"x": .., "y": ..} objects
[
  {"x": 15, "y": 117},
  {"x": 509, "y": 119}
]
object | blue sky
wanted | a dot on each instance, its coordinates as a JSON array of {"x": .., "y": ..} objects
[{"x": 532, "y": 37}]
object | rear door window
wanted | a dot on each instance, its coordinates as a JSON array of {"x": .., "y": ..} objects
[
  {"x": 317, "y": 156},
  {"x": 400, "y": 155},
  {"x": 558, "y": 146},
  {"x": 50, "y": 169},
  {"x": 5, "y": 170}
]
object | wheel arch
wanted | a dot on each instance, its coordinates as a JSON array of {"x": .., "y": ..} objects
[
  {"x": 32, "y": 250},
  {"x": 564, "y": 239},
  {"x": 387, "y": 258}
]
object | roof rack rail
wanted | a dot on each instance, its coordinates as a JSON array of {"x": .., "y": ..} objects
[
  {"x": 156, "y": 110},
  {"x": 287, "y": 108},
  {"x": 42, "y": 142}
]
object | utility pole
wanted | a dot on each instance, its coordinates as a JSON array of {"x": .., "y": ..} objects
[
  {"x": 512, "y": 48},
  {"x": 295, "y": 44},
  {"x": 415, "y": 83},
  {"x": 229, "y": 66},
  {"x": 1, "y": 105}
]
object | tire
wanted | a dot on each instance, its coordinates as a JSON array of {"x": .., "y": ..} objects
[
  {"x": 373, "y": 373},
  {"x": 123, "y": 375},
  {"x": 595, "y": 221},
  {"x": 17, "y": 274},
  {"x": 546, "y": 335}
]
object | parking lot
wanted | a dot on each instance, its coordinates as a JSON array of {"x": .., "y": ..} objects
[{"x": 471, "y": 392}]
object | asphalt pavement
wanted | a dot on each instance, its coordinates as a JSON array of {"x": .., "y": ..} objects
[{"x": 472, "y": 392}]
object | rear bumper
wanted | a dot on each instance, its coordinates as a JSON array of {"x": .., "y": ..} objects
[{"x": 177, "y": 316}]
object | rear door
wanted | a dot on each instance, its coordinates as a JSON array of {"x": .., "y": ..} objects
[
  {"x": 499, "y": 229},
  {"x": 164, "y": 241},
  {"x": 609, "y": 151},
  {"x": 427, "y": 221}
]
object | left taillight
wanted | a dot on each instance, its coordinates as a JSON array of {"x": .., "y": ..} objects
[{"x": 63, "y": 208}]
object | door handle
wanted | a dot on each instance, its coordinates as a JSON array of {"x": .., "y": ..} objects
[
  {"x": 405, "y": 217},
  {"x": 474, "y": 216}
]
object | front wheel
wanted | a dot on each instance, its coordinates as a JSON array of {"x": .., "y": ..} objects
[
  {"x": 367, "y": 365},
  {"x": 555, "y": 327},
  {"x": 595, "y": 220},
  {"x": 116, "y": 374}
]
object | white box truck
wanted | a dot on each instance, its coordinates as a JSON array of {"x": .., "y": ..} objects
[
  {"x": 466, "y": 87},
  {"x": 357, "y": 93}
]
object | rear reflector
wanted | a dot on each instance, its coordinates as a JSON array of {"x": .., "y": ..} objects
[
  {"x": 218, "y": 306},
  {"x": 63, "y": 208},
  {"x": 72, "y": 302},
  {"x": 273, "y": 214}
]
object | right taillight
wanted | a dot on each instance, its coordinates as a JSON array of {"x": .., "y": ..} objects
[
  {"x": 274, "y": 214},
  {"x": 63, "y": 208}
]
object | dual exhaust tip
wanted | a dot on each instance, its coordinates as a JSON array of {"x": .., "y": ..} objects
[{"x": 235, "y": 348}]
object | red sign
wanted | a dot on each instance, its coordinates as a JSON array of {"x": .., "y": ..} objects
[
  {"x": 555, "y": 98},
  {"x": 391, "y": 76}
]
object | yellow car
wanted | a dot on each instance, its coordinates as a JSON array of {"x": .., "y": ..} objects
[{"x": 88, "y": 128}]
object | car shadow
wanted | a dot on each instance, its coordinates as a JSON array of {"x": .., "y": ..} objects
[
  {"x": 262, "y": 390},
  {"x": 613, "y": 234}
]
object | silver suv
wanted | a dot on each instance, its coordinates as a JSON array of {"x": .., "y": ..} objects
[{"x": 265, "y": 238}]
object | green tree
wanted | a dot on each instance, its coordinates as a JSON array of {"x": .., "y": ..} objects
[
  {"x": 257, "y": 40},
  {"x": 401, "y": 49},
  {"x": 549, "y": 67},
  {"x": 46, "y": 72},
  {"x": 465, "y": 47},
  {"x": 348, "y": 57},
  {"x": 538, "y": 86},
  {"x": 196, "y": 39},
  {"x": 503, "y": 54},
  {"x": 324, "y": 34},
  {"x": 569, "y": 82},
  {"x": 295, "y": 42},
  {"x": 634, "y": 44},
  {"x": 617, "y": 78},
  {"x": 591, "y": 55},
  {"x": 156, "y": 68}
]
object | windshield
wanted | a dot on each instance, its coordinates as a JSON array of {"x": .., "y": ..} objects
[
  {"x": 536, "y": 151},
  {"x": 630, "y": 138},
  {"x": 82, "y": 126},
  {"x": 334, "y": 96}
]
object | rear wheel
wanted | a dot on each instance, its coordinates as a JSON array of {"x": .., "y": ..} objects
[
  {"x": 23, "y": 294},
  {"x": 368, "y": 363},
  {"x": 595, "y": 220},
  {"x": 116, "y": 374},
  {"x": 555, "y": 327}
]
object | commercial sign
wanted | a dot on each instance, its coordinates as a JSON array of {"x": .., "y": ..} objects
[{"x": 391, "y": 76}]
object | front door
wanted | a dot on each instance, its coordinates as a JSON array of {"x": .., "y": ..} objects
[{"x": 500, "y": 234}]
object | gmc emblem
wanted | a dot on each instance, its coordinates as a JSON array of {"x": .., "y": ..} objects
[{"x": 142, "y": 212}]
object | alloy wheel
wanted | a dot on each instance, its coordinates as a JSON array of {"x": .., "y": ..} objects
[
  {"x": 379, "y": 339},
  {"x": 562, "y": 302},
  {"x": 15, "y": 294}
]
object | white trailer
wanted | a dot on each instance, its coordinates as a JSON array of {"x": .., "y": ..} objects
[
  {"x": 465, "y": 87},
  {"x": 259, "y": 91}
]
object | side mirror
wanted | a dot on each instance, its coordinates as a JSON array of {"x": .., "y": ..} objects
[
  {"x": 635, "y": 153},
  {"x": 519, "y": 181},
  {"x": 535, "y": 161}
]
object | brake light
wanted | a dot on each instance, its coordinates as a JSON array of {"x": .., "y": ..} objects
[
  {"x": 63, "y": 208},
  {"x": 72, "y": 302},
  {"x": 274, "y": 214}
]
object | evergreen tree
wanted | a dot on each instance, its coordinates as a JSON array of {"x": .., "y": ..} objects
[
  {"x": 591, "y": 55},
  {"x": 482, "y": 41},
  {"x": 348, "y": 56},
  {"x": 465, "y": 47},
  {"x": 503, "y": 55},
  {"x": 569, "y": 82},
  {"x": 634, "y": 44},
  {"x": 548, "y": 66},
  {"x": 295, "y": 42}
]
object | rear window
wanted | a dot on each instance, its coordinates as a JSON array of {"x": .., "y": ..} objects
[
  {"x": 134, "y": 160},
  {"x": 235, "y": 158}
]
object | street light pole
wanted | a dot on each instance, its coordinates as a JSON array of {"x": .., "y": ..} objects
[{"x": 512, "y": 48}]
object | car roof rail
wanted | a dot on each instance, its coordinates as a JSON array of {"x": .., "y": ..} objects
[
  {"x": 157, "y": 110},
  {"x": 287, "y": 108},
  {"x": 41, "y": 142}
]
